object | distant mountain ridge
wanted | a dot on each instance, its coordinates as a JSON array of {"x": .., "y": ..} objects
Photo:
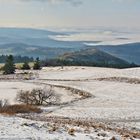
[
  {"x": 38, "y": 37},
  {"x": 32, "y": 50},
  {"x": 38, "y": 43},
  {"x": 93, "y": 56},
  {"x": 129, "y": 52}
]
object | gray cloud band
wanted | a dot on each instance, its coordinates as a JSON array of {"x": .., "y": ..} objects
[{"x": 72, "y": 2}]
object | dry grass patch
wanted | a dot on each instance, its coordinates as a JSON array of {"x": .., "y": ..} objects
[
  {"x": 19, "y": 108},
  {"x": 71, "y": 131},
  {"x": 120, "y": 79},
  {"x": 86, "y": 123}
]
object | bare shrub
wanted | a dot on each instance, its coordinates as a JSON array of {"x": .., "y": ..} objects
[
  {"x": 18, "y": 108},
  {"x": 38, "y": 96}
]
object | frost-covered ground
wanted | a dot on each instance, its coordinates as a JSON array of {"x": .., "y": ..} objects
[
  {"x": 112, "y": 101},
  {"x": 76, "y": 73},
  {"x": 9, "y": 90},
  {"x": 14, "y": 128}
]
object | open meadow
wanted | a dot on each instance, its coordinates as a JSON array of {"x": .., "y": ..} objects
[{"x": 94, "y": 103}]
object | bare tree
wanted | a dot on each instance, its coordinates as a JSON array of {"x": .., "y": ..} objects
[{"x": 38, "y": 96}]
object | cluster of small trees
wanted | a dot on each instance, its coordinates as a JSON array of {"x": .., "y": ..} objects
[
  {"x": 9, "y": 67},
  {"x": 36, "y": 65}
]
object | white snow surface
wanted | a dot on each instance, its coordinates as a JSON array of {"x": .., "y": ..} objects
[
  {"x": 111, "y": 101},
  {"x": 75, "y": 73},
  {"x": 9, "y": 90},
  {"x": 14, "y": 128}
]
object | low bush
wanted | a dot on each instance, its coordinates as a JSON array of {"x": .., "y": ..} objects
[
  {"x": 25, "y": 66},
  {"x": 19, "y": 108}
]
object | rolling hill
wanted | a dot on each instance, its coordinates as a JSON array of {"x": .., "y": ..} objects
[
  {"x": 93, "y": 56},
  {"x": 32, "y": 50},
  {"x": 40, "y": 43},
  {"x": 129, "y": 52}
]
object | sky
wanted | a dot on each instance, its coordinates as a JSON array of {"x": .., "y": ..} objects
[{"x": 70, "y": 13}]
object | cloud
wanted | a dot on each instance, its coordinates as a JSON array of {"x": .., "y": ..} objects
[
  {"x": 72, "y": 2},
  {"x": 120, "y": 1}
]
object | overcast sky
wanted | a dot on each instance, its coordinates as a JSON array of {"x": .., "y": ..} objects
[{"x": 63, "y": 13}]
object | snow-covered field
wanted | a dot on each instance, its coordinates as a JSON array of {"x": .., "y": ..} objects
[
  {"x": 112, "y": 101},
  {"x": 13, "y": 128},
  {"x": 76, "y": 73},
  {"x": 9, "y": 90}
]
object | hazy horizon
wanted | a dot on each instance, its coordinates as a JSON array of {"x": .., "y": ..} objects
[{"x": 70, "y": 13}]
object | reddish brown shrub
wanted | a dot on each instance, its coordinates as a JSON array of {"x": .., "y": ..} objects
[{"x": 19, "y": 108}]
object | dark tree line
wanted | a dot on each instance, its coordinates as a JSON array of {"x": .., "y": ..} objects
[
  {"x": 63, "y": 62},
  {"x": 17, "y": 59}
]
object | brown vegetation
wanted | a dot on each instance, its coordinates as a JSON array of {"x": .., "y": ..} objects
[
  {"x": 38, "y": 96},
  {"x": 90, "y": 123},
  {"x": 71, "y": 131},
  {"x": 120, "y": 79},
  {"x": 19, "y": 108},
  {"x": 82, "y": 93}
]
